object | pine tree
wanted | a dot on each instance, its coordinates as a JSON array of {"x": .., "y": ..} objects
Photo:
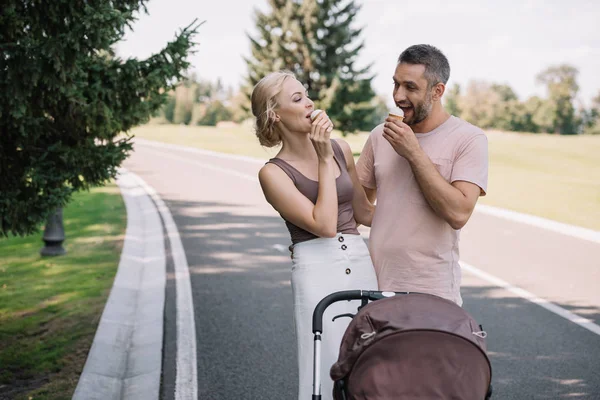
[
  {"x": 315, "y": 39},
  {"x": 65, "y": 99},
  {"x": 343, "y": 89},
  {"x": 279, "y": 44}
]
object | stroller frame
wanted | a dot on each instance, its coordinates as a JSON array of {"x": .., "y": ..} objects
[{"x": 365, "y": 296}]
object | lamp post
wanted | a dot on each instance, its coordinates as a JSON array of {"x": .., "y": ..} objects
[{"x": 54, "y": 235}]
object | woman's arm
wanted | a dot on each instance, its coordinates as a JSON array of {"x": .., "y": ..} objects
[
  {"x": 363, "y": 208},
  {"x": 320, "y": 218}
]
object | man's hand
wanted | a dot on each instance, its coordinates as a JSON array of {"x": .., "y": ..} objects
[{"x": 401, "y": 137}]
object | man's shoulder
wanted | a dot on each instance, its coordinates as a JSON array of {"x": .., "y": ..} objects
[
  {"x": 377, "y": 131},
  {"x": 376, "y": 134},
  {"x": 466, "y": 130}
]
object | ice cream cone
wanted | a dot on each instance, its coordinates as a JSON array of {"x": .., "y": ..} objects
[{"x": 396, "y": 113}]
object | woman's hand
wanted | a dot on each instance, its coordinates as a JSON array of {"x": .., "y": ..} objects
[{"x": 320, "y": 136}]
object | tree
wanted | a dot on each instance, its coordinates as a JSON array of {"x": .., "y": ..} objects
[
  {"x": 542, "y": 114},
  {"x": 239, "y": 106},
  {"x": 345, "y": 90},
  {"x": 502, "y": 103},
  {"x": 316, "y": 40},
  {"x": 279, "y": 44},
  {"x": 451, "y": 100},
  {"x": 185, "y": 95},
  {"x": 215, "y": 112},
  {"x": 475, "y": 104},
  {"x": 197, "y": 101},
  {"x": 65, "y": 98},
  {"x": 492, "y": 105},
  {"x": 169, "y": 109},
  {"x": 591, "y": 117},
  {"x": 561, "y": 84},
  {"x": 521, "y": 115}
]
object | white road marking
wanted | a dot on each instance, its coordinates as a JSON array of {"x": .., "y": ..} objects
[
  {"x": 186, "y": 381},
  {"x": 554, "y": 226},
  {"x": 576, "y": 319}
]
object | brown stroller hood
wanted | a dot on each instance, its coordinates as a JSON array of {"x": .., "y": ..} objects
[{"x": 412, "y": 346}]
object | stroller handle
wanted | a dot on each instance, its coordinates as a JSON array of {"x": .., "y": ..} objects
[{"x": 365, "y": 295}]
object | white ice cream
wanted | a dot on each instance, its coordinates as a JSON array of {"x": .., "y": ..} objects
[{"x": 396, "y": 112}]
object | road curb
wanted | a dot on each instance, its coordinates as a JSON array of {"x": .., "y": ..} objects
[{"x": 125, "y": 358}]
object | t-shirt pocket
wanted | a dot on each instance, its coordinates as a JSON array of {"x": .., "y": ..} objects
[{"x": 444, "y": 167}]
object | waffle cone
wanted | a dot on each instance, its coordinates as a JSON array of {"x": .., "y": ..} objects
[{"x": 396, "y": 117}]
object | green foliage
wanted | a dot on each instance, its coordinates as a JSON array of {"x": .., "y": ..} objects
[
  {"x": 215, "y": 112},
  {"x": 317, "y": 41},
  {"x": 497, "y": 106},
  {"x": 591, "y": 117},
  {"x": 561, "y": 84},
  {"x": 65, "y": 98},
  {"x": 169, "y": 109},
  {"x": 451, "y": 99},
  {"x": 199, "y": 102},
  {"x": 184, "y": 103}
]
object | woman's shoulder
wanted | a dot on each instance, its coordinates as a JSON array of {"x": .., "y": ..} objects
[
  {"x": 272, "y": 171},
  {"x": 343, "y": 145},
  {"x": 269, "y": 169}
]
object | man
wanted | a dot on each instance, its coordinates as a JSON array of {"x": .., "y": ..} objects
[{"x": 426, "y": 173}]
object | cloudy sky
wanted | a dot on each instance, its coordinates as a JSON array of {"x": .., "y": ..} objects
[{"x": 507, "y": 41}]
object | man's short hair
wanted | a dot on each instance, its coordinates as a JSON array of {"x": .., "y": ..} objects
[{"x": 437, "y": 68}]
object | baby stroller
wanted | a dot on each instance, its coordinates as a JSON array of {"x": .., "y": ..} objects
[{"x": 405, "y": 346}]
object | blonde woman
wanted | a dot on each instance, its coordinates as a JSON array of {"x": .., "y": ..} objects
[{"x": 313, "y": 185}]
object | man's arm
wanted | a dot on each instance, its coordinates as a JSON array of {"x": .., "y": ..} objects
[
  {"x": 453, "y": 202},
  {"x": 371, "y": 194},
  {"x": 365, "y": 168}
]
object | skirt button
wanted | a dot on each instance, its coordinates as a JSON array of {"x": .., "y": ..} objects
[{"x": 348, "y": 271}]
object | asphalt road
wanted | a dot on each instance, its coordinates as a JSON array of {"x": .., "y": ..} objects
[{"x": 240, "y": 272}]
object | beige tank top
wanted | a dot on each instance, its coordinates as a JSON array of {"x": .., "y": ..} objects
[{"x": 309, "y": 188}]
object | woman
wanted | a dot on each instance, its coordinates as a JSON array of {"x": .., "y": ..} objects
[{"x": 313, "y": 185}]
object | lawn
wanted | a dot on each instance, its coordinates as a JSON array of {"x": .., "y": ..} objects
[
  {"x": 551, "y": 176},
  {"x": 50, "y": 307}
]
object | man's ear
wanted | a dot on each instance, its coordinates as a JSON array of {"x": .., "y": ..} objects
[{"x": 438, "y": 91}]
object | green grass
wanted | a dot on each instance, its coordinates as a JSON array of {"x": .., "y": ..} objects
[
  {"x": 551, "y": 176},
  {"x": 238, "y": 140},
  {"x": 50, "y": 307}
]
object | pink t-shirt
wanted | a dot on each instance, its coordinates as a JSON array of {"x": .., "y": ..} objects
[{"x": 412, "y": 248}]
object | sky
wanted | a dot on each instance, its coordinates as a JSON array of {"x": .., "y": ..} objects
[{"x": 505, "y": 42}]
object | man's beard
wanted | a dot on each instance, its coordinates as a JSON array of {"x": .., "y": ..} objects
[{"x": 421, "y": 110}]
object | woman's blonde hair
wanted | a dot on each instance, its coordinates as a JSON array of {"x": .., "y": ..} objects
[{"x": 264, "y": 105}]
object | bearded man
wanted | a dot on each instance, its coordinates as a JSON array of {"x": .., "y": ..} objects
[{"x": 426, "y": 173}]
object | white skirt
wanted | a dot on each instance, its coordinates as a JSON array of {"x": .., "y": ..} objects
[{"x": 319, "y": 267}]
